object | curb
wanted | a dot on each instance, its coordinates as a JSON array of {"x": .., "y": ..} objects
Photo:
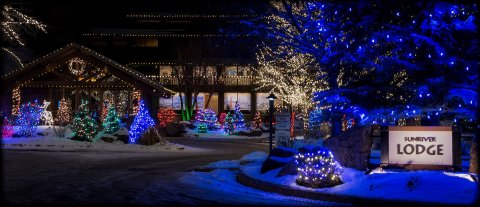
[{"x": 355, "y": 200}]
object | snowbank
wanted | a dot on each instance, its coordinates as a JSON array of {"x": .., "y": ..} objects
[
  {"x": 219, "y": 134},
  {"x": 425, "y": 186}
]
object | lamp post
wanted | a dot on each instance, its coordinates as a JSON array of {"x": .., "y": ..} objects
[{"x": 270, "y": 98}]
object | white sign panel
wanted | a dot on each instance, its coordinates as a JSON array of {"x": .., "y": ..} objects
[
  {"x": 420, "y": 145},
  {"x": 283, "y": 121},
  {"x": 282, "y": 138}
]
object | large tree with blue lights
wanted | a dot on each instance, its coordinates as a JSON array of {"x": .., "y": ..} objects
[{"x": 381, "y": 59}]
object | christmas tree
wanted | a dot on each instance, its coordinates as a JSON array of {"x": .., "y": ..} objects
[
  {"x": 84, "y": 126},
  {"x": 165, "y": 115},
  {"x": 221, "y": 120},
  {"x": 229, "y": 125},
  {"x": 64, "y": 117},
  {"x": 142, "y": 122},
  {"x": 257, "y": 121},
  {"x": 7, "y": 128},
  {"x": 202, "y": 128},
  {"x": 238, "y": 117},
  {"x": 210, "y": 117},
  {"x": 29, "y": 118},
  {"x": 111, "y": 124},
  {"x": 199, "y": 117},
  {"x": 317, "y": 168}
]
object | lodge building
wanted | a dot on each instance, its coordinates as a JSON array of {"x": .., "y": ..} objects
[{"x": 204, "y": 51}]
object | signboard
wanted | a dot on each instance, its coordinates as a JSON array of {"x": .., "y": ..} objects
[
  {"x": 421, "y": 146},
  {"x": 282, "y": 129}
]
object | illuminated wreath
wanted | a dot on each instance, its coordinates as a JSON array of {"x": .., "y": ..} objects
[{"x": 76, "y": 66}]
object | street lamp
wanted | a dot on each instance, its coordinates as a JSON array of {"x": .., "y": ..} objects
[{"x": 270, "y": 98}]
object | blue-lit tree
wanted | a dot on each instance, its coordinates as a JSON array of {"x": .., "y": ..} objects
[
  {"x": 142, "y": 122},
  {"x": 238, "y": 117},
  {"x": 29, "y": 118},
  {"x": 382, "y": 59},
  {"x": 209, "y": 118}
]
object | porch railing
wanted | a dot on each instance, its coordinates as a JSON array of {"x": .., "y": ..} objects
[{"x": 226, "y": 80}]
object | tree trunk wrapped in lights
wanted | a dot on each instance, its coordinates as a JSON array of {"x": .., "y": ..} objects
[
  {"x": 316, "y": 168},
  {"x": 141, "y": 122},
  {"x": 111, "y": 124},
  {"x": 84, "y": 126},
  {"x": 63, "y": 119}
]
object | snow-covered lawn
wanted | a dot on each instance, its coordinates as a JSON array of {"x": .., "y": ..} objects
[
  {"x": 427, "y": 186},
  {"x": 53, "y": 143},
  {"x": 219, "y": 134}
]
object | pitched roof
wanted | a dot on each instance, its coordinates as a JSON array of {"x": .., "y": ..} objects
[{"x": 86, "y": 51}]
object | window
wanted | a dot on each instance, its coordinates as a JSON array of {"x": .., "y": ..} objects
[
  {"x": 262, "y": 101},
  {"x": 151, "y": 42},
  {"x": 244, "y": 99}
]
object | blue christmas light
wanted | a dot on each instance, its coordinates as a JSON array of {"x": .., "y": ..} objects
[{"x": 316, "y": 167}]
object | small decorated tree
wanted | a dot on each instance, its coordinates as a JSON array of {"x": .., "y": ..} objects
[
  {"x": 142, "y": 122},
  {"x": 165, "y": 115},
  {"x": 221, "y": 120},
  {"x": 84, "y": 126},
  {"x": 229, "y": 125},
  {"x": 7, "y": 128},
  {"x": 63, "y": 119},
  {"x": 210, "y": 117},
  {"x": 257, "y": 121},
  {"x": 104, "y": 113},
  {"x": 111, "y": 124},
  {"x": 317, "y": 168},
  {"x": 199, "y": 117},
  {"x": 29, "y": 118},
  {"x": 238, "y": 118},
  {"x": 202, "y": 128}
]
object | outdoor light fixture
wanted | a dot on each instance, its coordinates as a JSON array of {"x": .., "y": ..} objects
[{"x": 271, "y": 98}]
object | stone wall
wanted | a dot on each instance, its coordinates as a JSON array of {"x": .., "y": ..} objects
[
  {"x": 474, "y": 156},
  {"x": 352, "y": 147}
]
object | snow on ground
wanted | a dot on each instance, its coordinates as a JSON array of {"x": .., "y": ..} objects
[
  {"x": 219, "y": 134},
  {"x": 223, "y": 183},
  {"x": 428, "y": 186},
  {"x": 53, "y": 143}
]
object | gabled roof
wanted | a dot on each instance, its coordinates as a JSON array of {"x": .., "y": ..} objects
[{"x": 74, "y": 47}]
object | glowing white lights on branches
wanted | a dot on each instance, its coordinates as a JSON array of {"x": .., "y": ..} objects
[
  {"x": 76, "y": 66},
  {"x": 14, "y": 23}
]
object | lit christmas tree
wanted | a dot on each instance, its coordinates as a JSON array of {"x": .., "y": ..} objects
[
  {"x": 64, "y": 117},
  {"x": 210, "y": 117},
  {"x": 317, "y": 168},
  {"x": 7, "y": 128},
  {"x": 229, "y": 125},
  {"x": 202, "y": 128},
  {"x": 142, "y": 122},
  {"x": 111, "y": 124},
  {"x": 29, "y": 118},
  {"x": 199, "y": 117},
  {"x": 165, "y": 115},
  {"x": 221, "y": 120},
  {"x": 238, "y": 117},
  {"x": 84, "y": 126},
  {"x": 257, "y": 121}
]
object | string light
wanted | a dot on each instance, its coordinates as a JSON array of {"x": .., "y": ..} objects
[
  {"x": 316, "y": 167},
  {"x": 141, "y": 123},
  {"x": 165, "y": 115},
  {"x": 29, "y": 118},
  {"x": 14, "y": 23},
  {"x": 84, "y": 127},
  {"x": 16, "y": 98}
]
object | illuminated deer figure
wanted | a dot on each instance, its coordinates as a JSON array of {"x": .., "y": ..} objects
[{"x": 46, "y": 117}]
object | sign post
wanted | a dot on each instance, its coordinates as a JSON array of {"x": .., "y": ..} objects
[{"x": 421, "y": 147}]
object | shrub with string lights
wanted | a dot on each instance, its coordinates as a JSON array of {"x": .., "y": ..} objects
[
  {"x": 317, "y": 168},
  {"x": 221, "y": 120},
  {"x": 209, "y": 117},
  {"x": 29, "y": 118},
  {"x": 142, "y": 122},
  {"x": 202, "y": 128},
  {"x": 257, "y": 121},
  {"x": 165, "y": 115},
  {"x": 7, "y": 128}
]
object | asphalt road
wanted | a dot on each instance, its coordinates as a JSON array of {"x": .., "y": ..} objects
[{"x": 116, "y": 178}]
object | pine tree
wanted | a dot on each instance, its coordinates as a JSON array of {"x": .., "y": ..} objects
[
  {"x": 29, "y": 118},
  {"x": 63, "y": 119},
  {"x": 111, "y": 124},
  {"x": 84, "y": 126},
  {"x": 7, "y": 128},
  {"x": 210, "y": 117},
  {"x": 142, "y": 122},
  {"x": 229, "y": 125},
  {"x": 199, "y": 117},
  {"x": 257, "y": 121},
  {"x": 238, "y": 117}
]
